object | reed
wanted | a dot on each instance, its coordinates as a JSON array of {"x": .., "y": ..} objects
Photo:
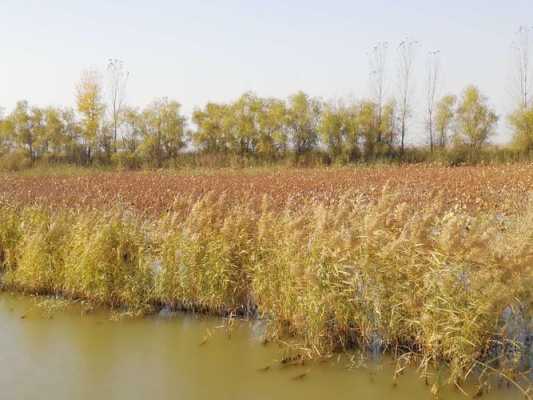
[
  {"x": 108, "y": 260},
  {"x": 37, "y": 264},
  {"x": 205, "y": 256},
  {"x": 10, "y": 234},
  {"x": 435, "y": 284}
]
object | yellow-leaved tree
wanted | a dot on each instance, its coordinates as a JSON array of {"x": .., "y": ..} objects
[
  {"x": 474, "y": 120},
  {"x": 91, "y": 107}
]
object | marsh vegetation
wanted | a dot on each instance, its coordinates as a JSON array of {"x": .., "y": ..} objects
[{"x": 430, "y": 283}]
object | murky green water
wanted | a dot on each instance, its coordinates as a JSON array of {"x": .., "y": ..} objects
[{"x": 72, "y": 355}]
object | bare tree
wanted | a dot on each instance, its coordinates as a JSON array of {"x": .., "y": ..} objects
[
  {"x": 406, "y": 56},
  {"x": 433, "y": 69},
  {"x": 522, "y": 48},
  {"x": 378, "y": 70},
  {"x": 117, "y": 81}
]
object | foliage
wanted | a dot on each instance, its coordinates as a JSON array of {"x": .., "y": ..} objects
[
  {"x": 340, "y": 130},
  {"x": 252, "y": 130},
  {"x": 303, "y": 114},
  {"x": 163, "y": 130},
  {"x": 474, "y": 119},
  {"x": 91, "y": 107},
  {"x": 444, "y": 119},
  {"x": 522, "y": 123}
]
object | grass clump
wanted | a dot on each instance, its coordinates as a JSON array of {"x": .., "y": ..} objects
[
  {"x": 10, "y": 234},
  {"x": 39, "y": 252},
  {"x": 206, "y": 257},
  {"x": 107, "y": 261}
]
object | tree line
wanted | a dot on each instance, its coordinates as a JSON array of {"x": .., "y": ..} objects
[
  {"x": 103, "y": 129},
  {"x": 253, "y": 127}
]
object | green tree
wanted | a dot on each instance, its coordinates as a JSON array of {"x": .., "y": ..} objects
[
  {"x": 51, "y": 138},
  {"x": 444, "y": 117},
  {"x": 475, "y": 120},
  {"x": 387, "y": 128},
  {"x": 522, "y": 123},
  {"x": 339, "y": 131},
  {"x": 351, "y": 132},
  {"x": 242, "y": 123},
  {"x": 5, "y": 142},
  {"x": 368, "y": 127},
  {"x": 303, "y": 116},
  {"x": 133, "y": 130},
  {"x": 19, "y": 128},
  {"x": 212, "y": 134},
  {"x": 271, "y": 120},
  {"x": 331, "y": 129},
  {"x": 72, "y": 135},
  {"x": 38, "y": 132},
  {"x": 163, "y": 131}
]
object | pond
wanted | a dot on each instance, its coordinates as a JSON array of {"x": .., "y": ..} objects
[{"x": 71, "y": 354}]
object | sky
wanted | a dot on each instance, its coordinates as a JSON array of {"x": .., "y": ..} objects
[{"x": 207, "y": 50}]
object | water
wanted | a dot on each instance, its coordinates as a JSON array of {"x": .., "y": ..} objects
[{"x": 68, "y": 354}]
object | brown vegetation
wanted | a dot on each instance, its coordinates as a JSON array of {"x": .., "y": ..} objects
[
  {"x": 436, "y": 267},
  {"x": 500, "y": 188}
]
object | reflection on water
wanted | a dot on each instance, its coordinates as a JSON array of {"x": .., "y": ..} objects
[{"x": 71, "y": 355}]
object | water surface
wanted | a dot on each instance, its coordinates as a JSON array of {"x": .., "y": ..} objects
[{"x": 69, "y": 354}]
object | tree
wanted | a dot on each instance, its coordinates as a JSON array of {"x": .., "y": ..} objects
[
  {"x": 117, "y": 82},
  {"x": 5, "y": 139},
  {"x": 522, "y": 123},
  {"x": 406, "y": 54},
  {"x": 271, "y": 121},
  {"x": 520, "y": 119},
  {"x": 243, "y": 123},
  {"x": 351, "y": 132},
  {"x": 303, "y": 115},
  {"x": 367, "y": 125},
  {"x": 211, "y": 135},
  {"x": 388, "y": 128},
  {"x": 444, "y": 117},
  {"x": 331, "y": 129},
  {"x": 72, "y": 135},
  {"x": 19, "y": 128},
  {"x": 378, "y": 77},
  {"x": 90, "y": 105},
  {"x": 431, "y": 95},
  {"x": 133, "y": 130},
  {"x": 163, "y": 130},
  {"x": 339, "y": 130},
  {"x": 475, "y": 121},
  {"x": 53, "y": 135},
  {"x": 38, "y": 133},
  {"x": 522, "y": 48}
]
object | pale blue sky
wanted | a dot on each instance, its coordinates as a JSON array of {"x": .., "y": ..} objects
[{"x": 199, "y": 51}]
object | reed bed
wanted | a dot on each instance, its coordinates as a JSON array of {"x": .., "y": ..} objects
[
  {"x": 477, "y": 188},
  {"x": 437, "y": 284}
]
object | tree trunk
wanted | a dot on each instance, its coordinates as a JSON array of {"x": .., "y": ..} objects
[{"x": 403, "y": 136}]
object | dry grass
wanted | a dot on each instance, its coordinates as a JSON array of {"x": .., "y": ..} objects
[
  {"x": 474, "y": 188},
  {"x": 331, "y": 268}
]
